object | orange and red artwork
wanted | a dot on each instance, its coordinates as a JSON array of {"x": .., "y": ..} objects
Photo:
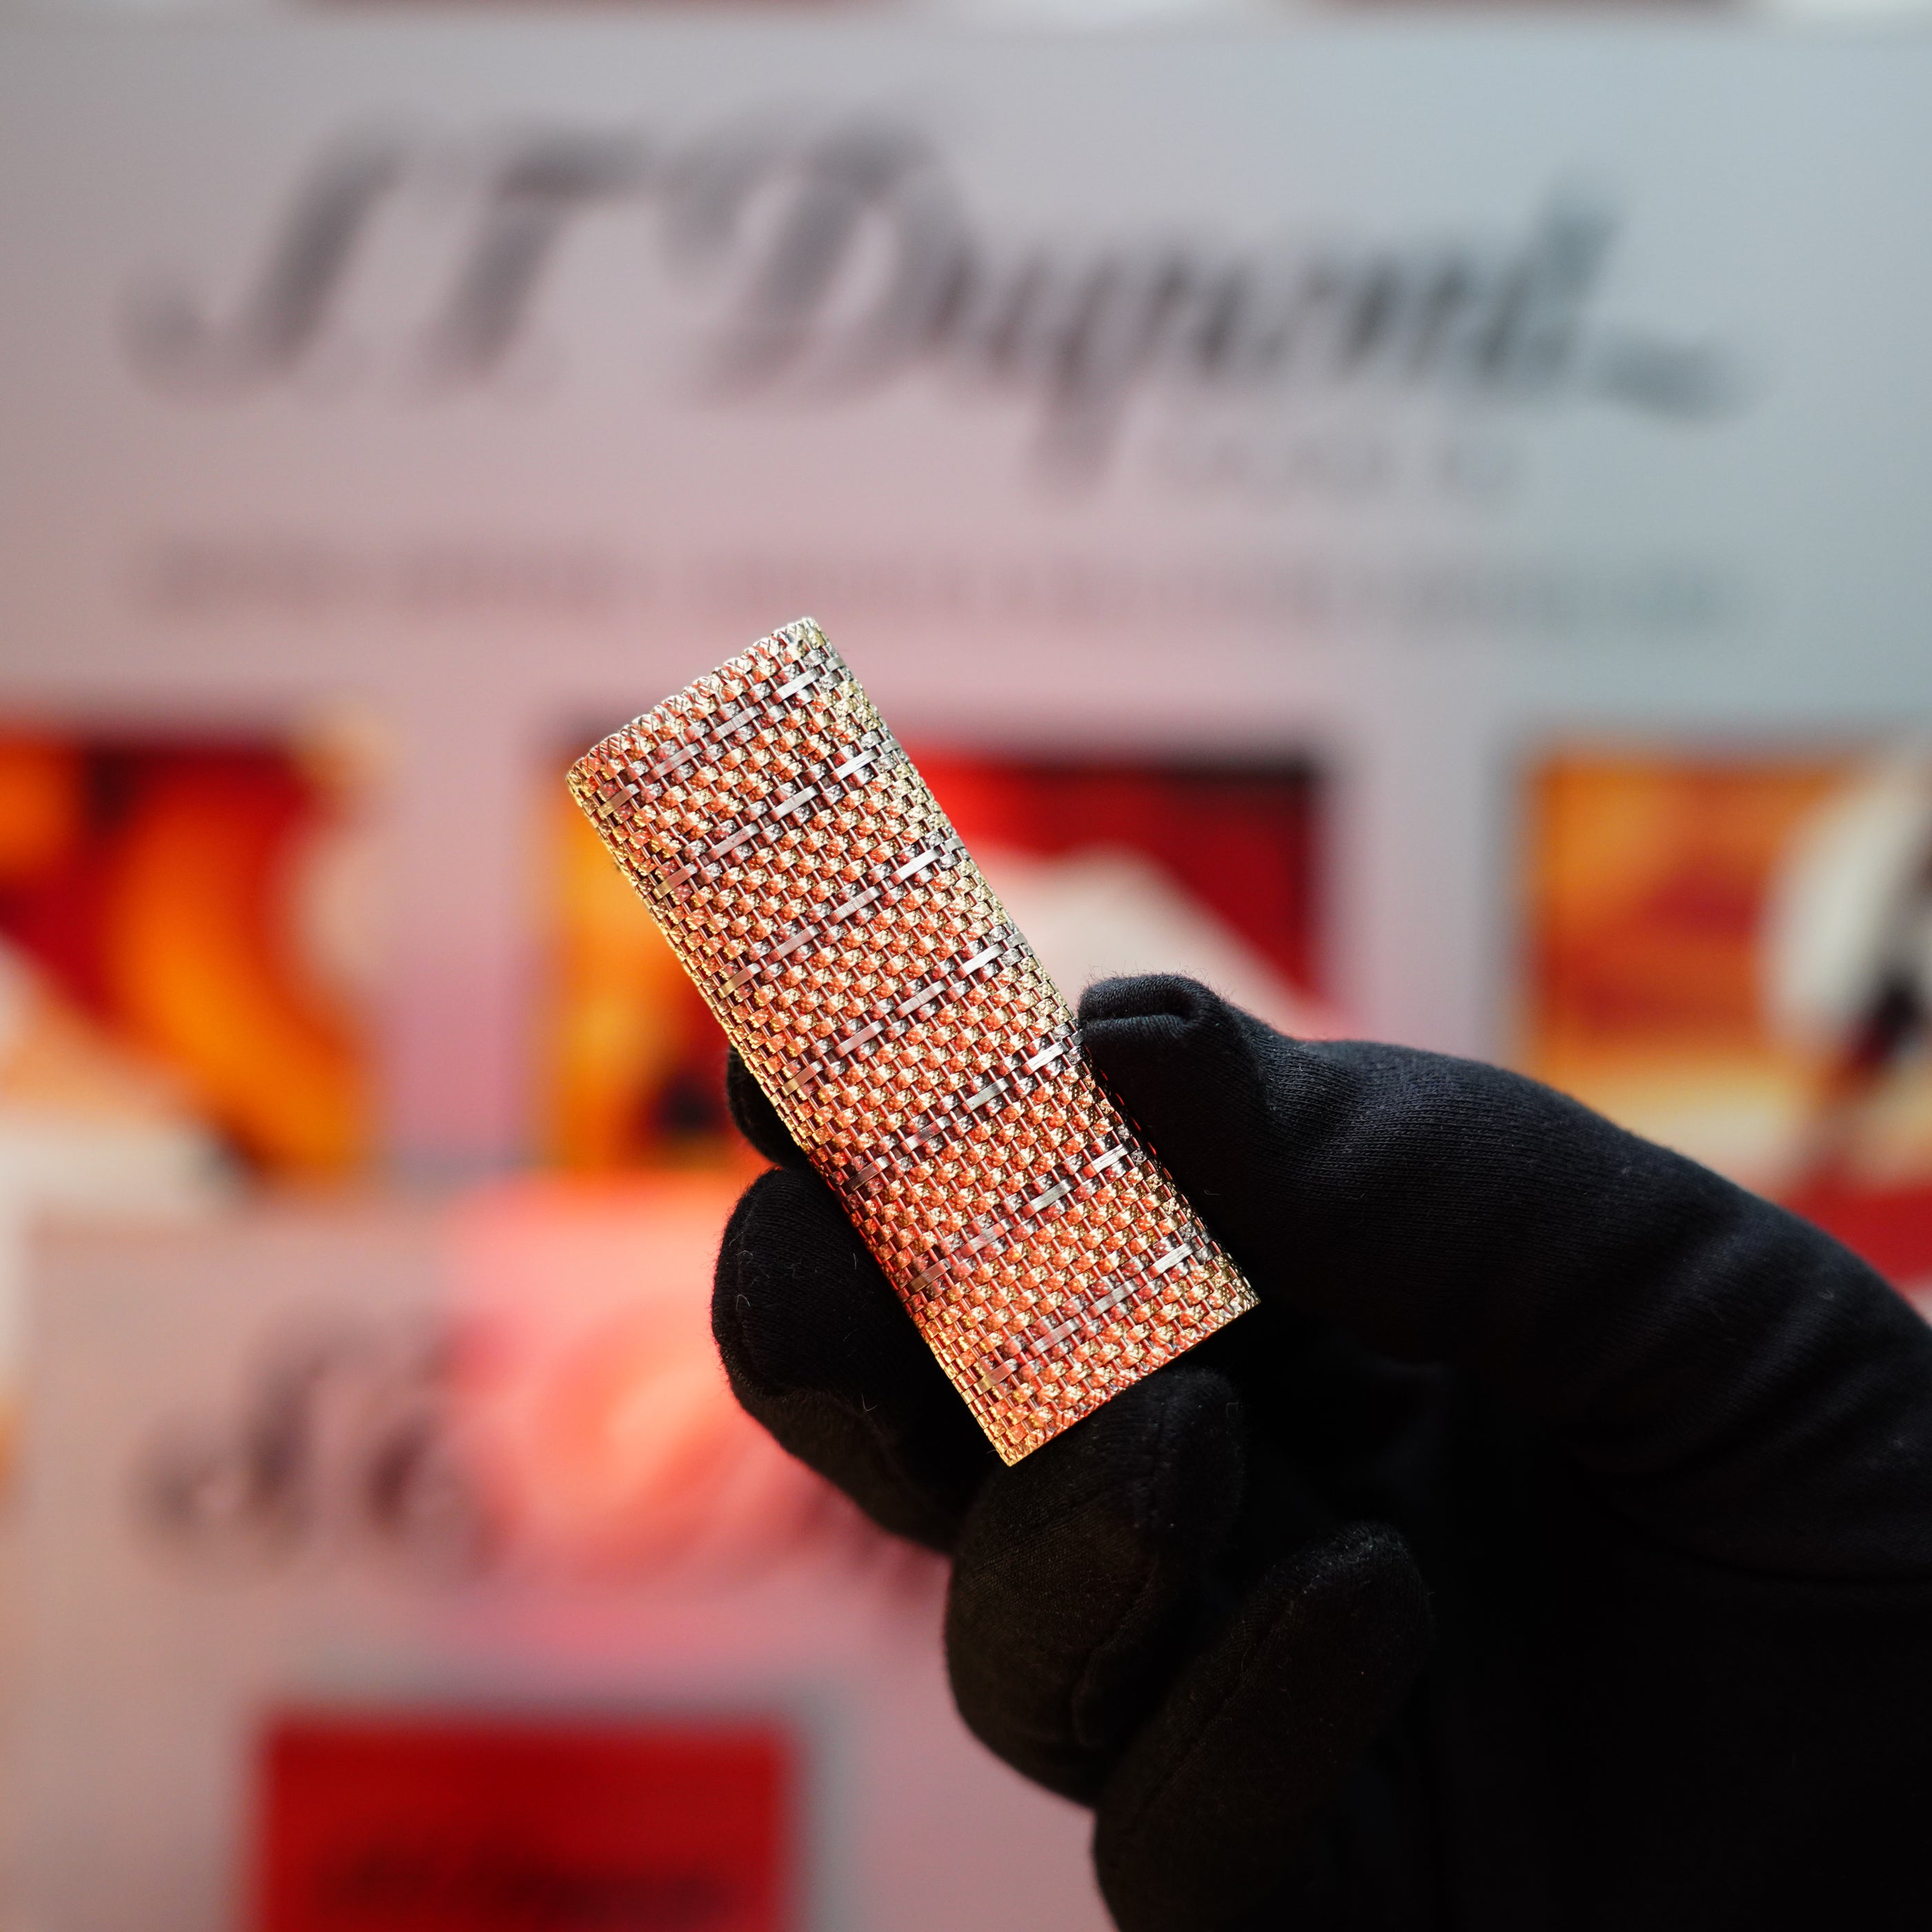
[
  {"x": 424, "y": 1822},
  {"x": 1108, "y": 864},
  {"x": 1731, "y": 953},
  {"x": 181, "y": 923}
]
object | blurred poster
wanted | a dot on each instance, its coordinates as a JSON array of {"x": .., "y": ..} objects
[
  {"x": 634, "y": 1064},
  {"x": 449, "y": 1502},
  {"x": 546, "y": 1399},
  {"x": 391, "y": 1824},
  {"x": 1109, "y": 865},
  {"x": 183, "y": 932},
  {"x": 1732, "y": 954}
]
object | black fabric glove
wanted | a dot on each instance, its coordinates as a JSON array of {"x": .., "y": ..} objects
[{"x": 1552, "y": 1548}]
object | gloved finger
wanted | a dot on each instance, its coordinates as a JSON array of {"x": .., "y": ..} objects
[
  {"x": 820, "y": 1350},
  {"x": 1201, "y": 1818},
  {"x": 1740, "y": 1384},
  {"x": 756, "y": 1118},
  {"x": 1081, "y": 1569}
]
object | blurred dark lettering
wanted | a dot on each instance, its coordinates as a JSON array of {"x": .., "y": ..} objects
[
  {"x": 850, "y": 259},
  {"x": 526, "y": 208},
  {"x": 487, "y": 1886},
  {"x": 830, "y": 207},
  {"x": 343, "y": 1435},
  {"x": 280, "y": 322}
]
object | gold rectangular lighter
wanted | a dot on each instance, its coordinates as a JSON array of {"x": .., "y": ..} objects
[{"x": 863, "y": 968}]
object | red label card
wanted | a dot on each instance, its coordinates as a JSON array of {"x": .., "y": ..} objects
[{"x": 397, "y": 1824}]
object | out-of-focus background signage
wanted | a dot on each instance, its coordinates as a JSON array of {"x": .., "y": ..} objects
[
  {"x": 1379, "y": 392},
  {"x": 1421, "y": 524}
]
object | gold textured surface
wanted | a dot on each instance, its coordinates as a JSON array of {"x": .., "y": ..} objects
[{"x": 870, "y": 979}]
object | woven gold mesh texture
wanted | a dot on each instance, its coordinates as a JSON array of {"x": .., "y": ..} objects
[{"x": 863, "y": 968}]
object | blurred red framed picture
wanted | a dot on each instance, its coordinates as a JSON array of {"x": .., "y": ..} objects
[
  {"x": 1108, "y": 865},
  {"x": 184, "y": 933},
  {"x": 1731, "y": 953},
  {"x": 433, "y": 1824}
]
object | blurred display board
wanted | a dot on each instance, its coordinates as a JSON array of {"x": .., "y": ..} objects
[
  {"x": 1394, "y": 393},
  {"x": 1109, "y": 866},
  {"x": 1733, "y": 953},
  {"x": 373, "y": 1561}
]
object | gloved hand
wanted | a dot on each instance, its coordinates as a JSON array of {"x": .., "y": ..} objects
[{"x": 1553, "y": 1547}]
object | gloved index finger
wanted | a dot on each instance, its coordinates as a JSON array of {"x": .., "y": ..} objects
[
  {"x": 820, "y": 1350},
  {"x": 756, "y": 1118}
]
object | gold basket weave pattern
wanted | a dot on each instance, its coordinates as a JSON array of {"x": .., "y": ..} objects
[{"x": 872, "y": 981}]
